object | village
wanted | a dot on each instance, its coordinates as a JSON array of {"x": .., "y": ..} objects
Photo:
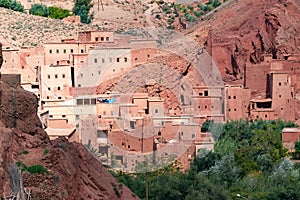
[{"x": 125, "y": 128}]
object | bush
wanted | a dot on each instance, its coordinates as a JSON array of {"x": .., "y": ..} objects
[
  {"x": 25, "y": 152},
  {"x": 12, "y": 5},
  {"x": 58, "y": 13},
  {"x": 36, "y": 169},
  {"x": 39, "y": 10}
]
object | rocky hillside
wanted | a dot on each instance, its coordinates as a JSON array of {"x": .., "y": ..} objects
[
  {"x": 51, "y": 169},
  {"x": 244, "y": 31}
]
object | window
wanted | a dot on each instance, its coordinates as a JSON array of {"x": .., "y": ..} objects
[
  {"x": 125, "y": 59},
  {"x": 279, "y": 83},
  {"x": 205, "y": 93},
  {"x": 49, "y": 88},
  {"x": 71, "y": 50},
  {"x": 77, "y": 117},
  {"x": 47, "y": 97},
  {"x": 48, "y": 76},
  {"x": 266, "y": 116},
  {"x": 107, "y": 38},
  {"x": 65, "y": 50},
  {"x": 86, "y": 101},
  {"x": 279, "y": 96},
  {"x": 64, "y": 76},
  {"x": 63, "y": 116},
  {"x": 229, "y": 97},
  {"x": 102, "y": 38},
  {"x": 99, "y": 72},
  {"x": 235, "y": 109},
  {"x": 93, "y": 101},
  {"x": 56, "y": 76},
  {"x": 58, "y": 88},
  {"x": 148, "y": 56},
  {"x": 51, "y": 116},
  {"x": 104, "y": 113},
  {"x": 234, "y": 97},
  {"x": 81, "y": 51},
  {"x": 110, "y": 59},
  {"x": 193, "y": 135},
  {"x": 103, "y": 60},
  {"x": 118, "y": 59},
  {"x": 79, "y": 85},
  {"x": 81, "y": 75},
  {"x": 95, "y": 60},
  {"x": 50, "y": 51},
  {"x": 96, "y": 38},
  {"x": 205, "y": 107},
  {"x": 79, "y": 101},
  {"x": 58, "y": 97},
  {"x": 114, "y": 70},
  {"x": 200, "y": 94},
  {"x": 156, "y": 110},
  {"x": 229, "y": 110},
  {"x": 111, "y": 113},
  {"x": 57, "y": 50}
]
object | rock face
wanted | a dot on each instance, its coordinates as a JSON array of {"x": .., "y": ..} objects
[
  {"x": 251, "y": 30},
  {"x": 73, "y": 173}
]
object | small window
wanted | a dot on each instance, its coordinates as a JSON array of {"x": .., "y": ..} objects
[
  {"x": 229, "y": 110},
  {"x": 110, "y": 59},
  {"x": 65, "y": 50},
  {"x": 107, "y": 38},
  {"x": 95, "y": 60},
  {"x": 102, "y": 38},
  {"x": 96, "y": 38},
  {"x": 63, "y": 116},
  {"x": 234, "y": 97},
  {"x": 79, "y": 101},
  {"x": 57, "y": 50},
  {"x": 229, "y": 97},
  {"x": 99, "y": 72},
  {"x": 266, "y": 116},
  {"x": 81, "y": 51},
  {"x": 93, "y": 101},
  {"x": 156, "y": 110},
  {"x": 58, "y": 88},
  {"x": 128, "y": 146},
  {"x": 81, "y": 75},
  {"x": 125, "y": 59},
  {"x": 71, "y": 50},
  {"x": 51, "y": 116},
  {"x": 58, "y": 97},
  {"x": 205, "y": 93},
  {"x": 205, "y": 107},
  {"x": 193, "y": 135},
  {"x": 77, "y": 117},
  {"x": 279, "y": 83},
  {"x": 148, "y": 56},
  {"x": 111, "y": 113},
  {"x": 104, "y": 113},
  {"x": 200, "y": 94},
  {"x": 48, "y": 76},
  {"x": 279, "y": 96},
  {"x": 118, "y": 59},
  {"x": 235, "y": 109},
  {"x": 56, "y": 76},
  {"x": 114, "y": 70},
  {"x": 103, "y": 60},
  {"x": 50, "y": 51},
  {"x": 64, "y": 76},
  {"x": 79, "y": 85},
  {"x": 49, "y": 88},
  {"x": 47, "y": 97}
]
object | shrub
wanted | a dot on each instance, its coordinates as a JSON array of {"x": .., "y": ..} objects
[
  {"x": 36, "y": 169},
  {"x": 46, "y": 151},
  {"x": 25, "y": 152},
  {"x": 39, "y": 10},
  {"x": 58, "y": 13},
  {"x": 12, "y": 5}
]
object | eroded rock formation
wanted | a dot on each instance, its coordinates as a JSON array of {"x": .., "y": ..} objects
[{"x": 243, "y": 32}]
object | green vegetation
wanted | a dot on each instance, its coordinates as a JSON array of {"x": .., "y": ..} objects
[
  {"x": 52, "y": 11},
  {"x": 82, "y": 8},
  {"x": 46, "y": 151},
  {"x": 58, "y": 13},
  {"x": 33, "y": 169},
  {"x": 249, "y": 159},
  {"x": 12, "y": 5},
  {"x": 25, "y": 152},
  {"x": 39, "y": 10}
]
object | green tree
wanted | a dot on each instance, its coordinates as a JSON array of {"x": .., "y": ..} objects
[
  {"x": 39, "y": 10},
  {"x": 82, "y": 8},
  {"x": 12, "y": 4}
]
